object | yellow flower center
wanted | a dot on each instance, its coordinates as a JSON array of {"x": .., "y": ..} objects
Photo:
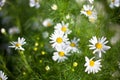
[
  {"x": 92, "y": 63},
  {"x": 17, "y": 44},
  {"x": 0, "y": 78},
  {"x": 61, "y": 53},
  {"x": 72, "y": 44},
  {"x": 89, "y": 12},
  {"x": 59, "y": 40},
  {"x": 64, "y": 29},
  {"x": 98, "y": 45},
  {"x": 48, "y": 24}
]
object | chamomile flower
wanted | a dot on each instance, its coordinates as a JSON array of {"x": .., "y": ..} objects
[
  {"x": 34, "y": 3},
  {"x": 2, "y": 2},
  {"x": 92, "y": 66},
  {"x": 91, "y": 1},
  {"x": 88, "y": 10},
  {"x": 47, "y": 22},
  {"x": 3, "y": 76},
  {"x": 98, "y": 45},
  {"x": 58, "y": 39},
  {"x": 115, "y": 3},
  {"x": 61, "y": 54},
  {"x": 18, "y": 45},
  {"x": 63, "y": 27},
  {"x": 73, "y": 45}
]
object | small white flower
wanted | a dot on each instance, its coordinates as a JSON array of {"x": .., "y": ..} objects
[
  {"x": 63, "y": 27},
  {"x": 98, "y": 45},
  {"x": 88, "y": 10},
  {"x": 18, "y": 45},
  {"x": 47, "y": 22},
  {"x": 14, "y": 30},
  {"x": 54, "y": 7},
  {"x": 34, "y": 3},
  {"x": 92, "y": 66},
  {"x": 91, "y": 1},
  {"x": 2, "y": 2},
  {"x": 58, "y": 39},
  {"x": 61, "y": 54},
  {"x": 115, "y": 3},
  {"x": 3, "y": 76},
  {"x": 73, "y": 45}
]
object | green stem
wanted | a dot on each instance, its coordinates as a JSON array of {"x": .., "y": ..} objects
[{"x": 23, "y": 57}]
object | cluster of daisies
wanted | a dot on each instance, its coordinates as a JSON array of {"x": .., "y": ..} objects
[
  {"x": 98, "y": 45},
  {"x": 60, "y": 42},
  {"x": 64, "y": 47},
  {"x": 89, "y": 11}
]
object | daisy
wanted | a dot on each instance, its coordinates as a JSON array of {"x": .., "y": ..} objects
[
  {"x": 34, "y": 3},
  {"x": 63, "y": 27},
  {"x": 61, "y": 54},
  {"x": 88, "y": 10},
  {"x": 73, "y": 44},
  {"x": 47, "y": 22},
  {"x": 2, "y": 2},
  {"x": 3, "y": 76},
  {"x": 92, "y": 66},
  {"x": 114, "y": 3},
  {"x": 98, "y": 45},
  {"x": 91, "y": 1},
  {"x": 18, "y": 45},
  {"x": 58, "y": 39}
]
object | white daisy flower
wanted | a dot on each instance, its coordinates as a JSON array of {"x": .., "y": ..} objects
[
  {"x": 61, "y": 54},
  {"x": 54, "y": 7},
  {"x": 73, "y": 45},
  {"x": 2, "y": 2},
  {"x": 91, "y": 1},
  {"x": 98, "y": 45},
  {"x": 58, "y": 39},
  {"x": 63, "y": 27},
  {"x": 92, "y": 66},
  {"x": 3, "y": 76},
  {"x": 88, "y": 10},
  {"x": 47, "y": 22},
  {"x": 115, "y": 3},
  {"x": 34, "y": 3},
  {"x": 18, "y": 45}
]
